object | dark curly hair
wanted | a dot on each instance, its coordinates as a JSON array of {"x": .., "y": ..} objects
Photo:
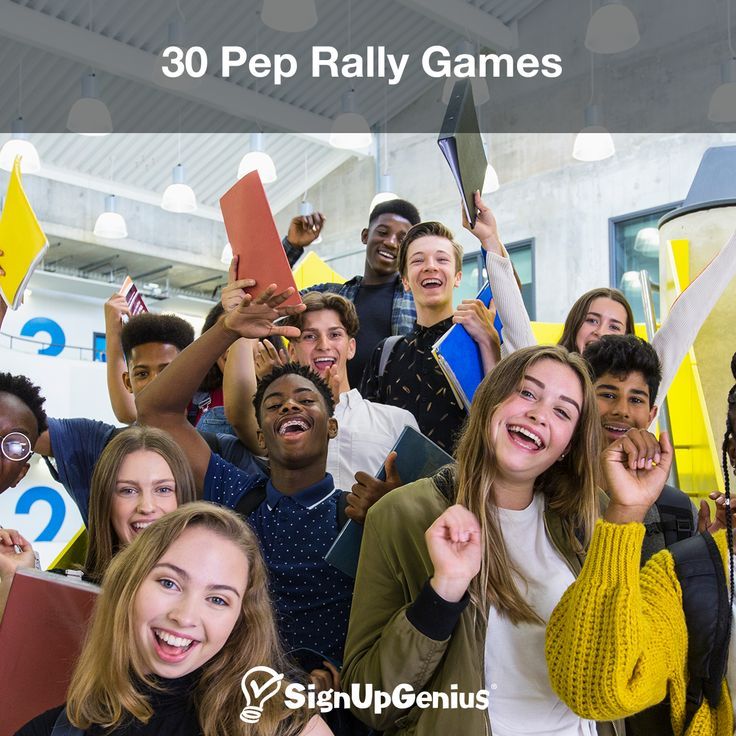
[
  {"x": 293, "y": 369},
  {"x": 149, "y": 327},
  {"x": 214, "y": 376},
  {"x": 28, "y": 393},
  {"x": 399, "y": 207},
  {"x": 620, "y": 355}
]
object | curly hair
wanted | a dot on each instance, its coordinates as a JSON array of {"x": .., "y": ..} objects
[
  {"x": 28, "y": 393},
  {"x": 149, "y": 327},
  {"x": 399, "y": 207},
  {"x": 621, "y": 355},
  {"x": 293, "y": 369}
]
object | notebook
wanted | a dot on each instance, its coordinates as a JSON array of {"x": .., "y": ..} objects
[
  {"x": 416, "y": 457},
  {"x": 252, "y": 233},
  {"x": 461, "y": 142},
  {"x": 41, "y": 636}
]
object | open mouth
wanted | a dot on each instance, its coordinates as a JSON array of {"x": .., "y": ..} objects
[
  {"x": 431, "y": 283},
  {"x": 389, "y": 255},
  {"x": 291, "y": 426},
  {"x": 139, "y": 526},
  {"x": 323, "y": 364},
  {"x": 172, "y": 648},
  {"x": 616, "y": 430},
  {"x": 525, "y": 438}
]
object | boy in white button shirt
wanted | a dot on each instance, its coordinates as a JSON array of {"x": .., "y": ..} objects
[{"x": 366, "y": 430}]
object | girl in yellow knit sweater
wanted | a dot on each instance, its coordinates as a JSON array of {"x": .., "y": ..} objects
[{"x": 617, "y": 642}]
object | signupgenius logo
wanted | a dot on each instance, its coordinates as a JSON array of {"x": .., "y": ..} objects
[
  {"x": 258, "y": 685},
  {"x": 261, "y": 683}
]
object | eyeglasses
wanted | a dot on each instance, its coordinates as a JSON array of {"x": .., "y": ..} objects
[{"x": 16, "y": 447}]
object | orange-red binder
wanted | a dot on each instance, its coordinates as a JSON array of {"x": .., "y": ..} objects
[
  {"x": 41, "y": 636},
  {"x": 252, "y": 233}
]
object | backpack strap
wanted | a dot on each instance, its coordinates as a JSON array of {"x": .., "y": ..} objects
[
  {"x": 251, "y": 500},
  {"x": 699, "y": 569},
  {"x": 62, "y": 726},
  {"x": 676, "y": 516},
  {"x": 388, "y": 347}
]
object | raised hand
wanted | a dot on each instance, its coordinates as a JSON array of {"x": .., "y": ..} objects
[
  {"x": 454, "y": 546},
  {"x": 267, "y": 358},
  {"x": 115, "y": 308},
  {"x": 305, "y": 230},
  {"x": 10, "y": 560},
  {"x": 254, "y": 318},
  {"x": 477, "y": 319},
  {"x": 367, "y": 490},
  {"x": 705, "y": 523},
  {"x": 233, "y": 294},
  {"x": 636, "y": 468},
  {"x": 486, "y": 229},
  {"x": 326, "y": 679}
]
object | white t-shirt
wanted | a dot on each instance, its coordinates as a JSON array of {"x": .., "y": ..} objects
[
  {"x": 366, "y": 432},
  {"x": 521, "y": 698}
]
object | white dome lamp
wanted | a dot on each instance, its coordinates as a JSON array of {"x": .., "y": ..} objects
[
  {"x": 350, "y": 131},
  {"x": 258, "y": 160},
  {"x": 110, "y": 224},
  {"x": 722, "y": 107},
  {"x": 385, "y": 191},
  {"x": 593, "y": 142},
  {"x": 89, "y": 114},
  {"x": 289, "y": 16},
  {"x": 19, "y": 145},
  {"x": 490, "y": 180},
  {"x": 479, "y": 85},
  {"x": 612, "y": 29},
  {"x": 178, "y": 196}
]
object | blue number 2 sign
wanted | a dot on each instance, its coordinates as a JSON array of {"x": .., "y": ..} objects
[
  {"x": 52, "y": 498},
  {"x": 51, "y": 328}
]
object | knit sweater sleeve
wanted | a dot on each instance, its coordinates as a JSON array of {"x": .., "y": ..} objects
[
  {"x": 517, "y": 329},
  {"x": 617, "y": 639},
  {"x": 679, "y": 330}
]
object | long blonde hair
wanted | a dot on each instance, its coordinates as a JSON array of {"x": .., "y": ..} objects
[
  {"x": 569, "y": 486},
  {"x": 103, "y": 543},
  {"x": 105, "y": 682}
]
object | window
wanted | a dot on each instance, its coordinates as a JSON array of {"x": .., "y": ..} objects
[
  {"x": 99, "y": 347},
  {"x": 634, "y": 243},
  {"x": 522, "y": 256},
  {"x": 475, "y": 274}
]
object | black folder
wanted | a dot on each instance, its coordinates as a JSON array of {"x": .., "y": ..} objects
[
  {"x": 416, "y": 457},
  {"x": 461, "y": 142}
]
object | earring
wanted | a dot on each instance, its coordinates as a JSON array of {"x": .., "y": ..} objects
[{"x": 561, "y": 457}]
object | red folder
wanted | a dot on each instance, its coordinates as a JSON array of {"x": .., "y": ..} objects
[
  {"x": 253, "y": 236},
  {"x": 41, "y": 636}
]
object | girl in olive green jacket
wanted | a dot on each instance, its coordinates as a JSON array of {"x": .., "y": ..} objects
[{"x": 457, "y": 579}]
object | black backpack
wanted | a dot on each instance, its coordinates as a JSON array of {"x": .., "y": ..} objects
[
  {"x": 707, "y": 607},
  {"x": 676, "y": 516}
]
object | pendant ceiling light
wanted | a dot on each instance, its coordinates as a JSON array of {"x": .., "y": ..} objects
[
  {"x": 612, "y": 29},
  {"x": 593, "y": 142},
  {"x": 19, "y": 145},
  {"x": 89, "y": 114},
  {"x": 350, "y": 130},
  {"x": 178, "y": 196},
  {"x": 258, "y": 160},
  {"x": 289, "y": 16},
  {"x": 110, "y": 224}
]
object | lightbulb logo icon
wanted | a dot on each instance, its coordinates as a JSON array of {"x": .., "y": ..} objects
[{"x": 258, "y": 685}]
